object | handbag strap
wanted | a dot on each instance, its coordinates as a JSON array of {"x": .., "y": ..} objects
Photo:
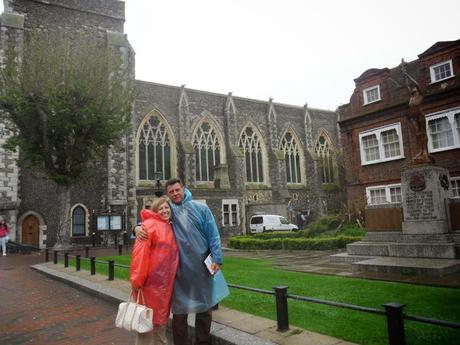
[{"x": 139, "y": 294}]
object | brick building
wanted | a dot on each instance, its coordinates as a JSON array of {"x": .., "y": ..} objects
[
  {"x": 238, "y": 155},
  {"x": 374, "y": 131}
]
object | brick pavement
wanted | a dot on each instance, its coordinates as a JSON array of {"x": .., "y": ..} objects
[{"x": 40, "y": 311}]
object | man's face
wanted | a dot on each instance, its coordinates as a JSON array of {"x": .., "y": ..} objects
[{"x": 176, "y": 193}]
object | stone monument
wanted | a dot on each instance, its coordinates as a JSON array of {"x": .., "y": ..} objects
[
  {"x": 424, "y": 186},
  {"x": 424, "y": 238}
]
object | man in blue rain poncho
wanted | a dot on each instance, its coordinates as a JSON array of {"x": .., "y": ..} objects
[{"x": 195, "y": 289}]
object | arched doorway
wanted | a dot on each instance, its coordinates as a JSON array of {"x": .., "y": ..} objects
[{"x": 30, "y": 228}]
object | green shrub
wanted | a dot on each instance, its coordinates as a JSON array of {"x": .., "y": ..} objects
[
  {"x": 244, "y": 242},
  {"x": 278, "y": 234},
  {"x": 322, "y": 225},
  {"x": 351, "y": 229}
]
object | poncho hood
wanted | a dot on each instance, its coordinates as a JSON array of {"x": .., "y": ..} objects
[
  {"x": 187, "y": 195},
  {"x": 149, "y": 214}
]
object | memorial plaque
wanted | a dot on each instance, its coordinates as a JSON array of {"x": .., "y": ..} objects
[{"x": 420, "y": 206}]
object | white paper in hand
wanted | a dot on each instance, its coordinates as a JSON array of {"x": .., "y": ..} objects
[{"x": 208, "y": 262}]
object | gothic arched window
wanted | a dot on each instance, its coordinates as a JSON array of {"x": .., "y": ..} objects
[
  {"x": 154, "y": 150},
  {"x": 323, "y": 152},
  {"x": 207, "y": 152},
  {"x": 78, "y": 221},
  {"x": 291, "y": 153},
  {"x": 252, "y": 147}
]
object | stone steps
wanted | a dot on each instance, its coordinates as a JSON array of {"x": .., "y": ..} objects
[
  {"x": 410, "y": 250},
  {"x": 347, "y": 258},
  {"x": 421, "y": 266},
  {"x": 411, "y": 238}
]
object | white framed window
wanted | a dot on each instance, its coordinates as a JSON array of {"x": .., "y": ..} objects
[
  {"x": 381, "y": 144},
  {"x": 455, "y": 184},
  {"x": 441, "y": 71},
  {"x": 371, "y": 94},
  {"x": 80, "y": 220},
  {"x": 230, "y": 212},
  {"x": 385, "y": 194},
  {"x": 443, "y": 130}
]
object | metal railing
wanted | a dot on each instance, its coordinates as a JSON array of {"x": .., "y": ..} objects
[{"x": 394, "y": 312}]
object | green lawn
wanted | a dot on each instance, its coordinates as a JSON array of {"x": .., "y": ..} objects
[{"x": 358, "y": 327}]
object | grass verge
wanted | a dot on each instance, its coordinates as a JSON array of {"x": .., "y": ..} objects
[{"x": 357, "y": 327}]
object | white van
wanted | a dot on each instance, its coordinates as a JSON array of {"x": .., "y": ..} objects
[{"x": 270, "y": 222}]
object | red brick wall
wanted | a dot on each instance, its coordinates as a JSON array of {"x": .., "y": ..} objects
[{"x": 393, "y": 108}]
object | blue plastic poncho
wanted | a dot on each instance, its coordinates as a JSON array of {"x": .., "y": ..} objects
[{"x": 195, "y": 290}]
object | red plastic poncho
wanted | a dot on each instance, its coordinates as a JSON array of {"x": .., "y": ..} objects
[{"x": 154, "y": 264}]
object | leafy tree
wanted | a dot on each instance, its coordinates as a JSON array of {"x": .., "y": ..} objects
[{"x": 67, "y": 100}]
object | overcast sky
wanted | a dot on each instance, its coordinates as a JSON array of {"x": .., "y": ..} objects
[{"x": 295, "y": 51}]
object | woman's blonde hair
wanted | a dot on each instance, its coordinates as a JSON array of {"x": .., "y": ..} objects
[{"x": 157, "y": 202}]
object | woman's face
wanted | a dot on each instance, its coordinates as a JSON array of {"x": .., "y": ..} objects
[{"x": 164, "y": 211}]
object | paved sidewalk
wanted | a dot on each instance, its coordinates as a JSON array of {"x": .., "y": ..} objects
[
  {"x": 36, "y": 310},
  {"x": 229, "y": 326}
]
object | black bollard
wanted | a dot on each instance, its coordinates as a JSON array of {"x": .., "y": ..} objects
[
  {"x": 86, "y": 252},
  {"x": 93, "y": 237},
  {"x": 93, "y": 265},
  {"x": 395, "y": 323},
  {"x": 281, "y": 308},
  {"x": 47, "y": 255},
  {"x": 55, "y": 254},
  {"x": 111, "y": 269},
  {"x": 120, "y": 249},
  {"x": 77, "y": 262},
  {"x": 66, "y": 259},
  {"x": 125, "y": 240}
]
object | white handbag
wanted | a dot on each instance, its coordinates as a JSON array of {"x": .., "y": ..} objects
[{"x": 133, "y": 316}]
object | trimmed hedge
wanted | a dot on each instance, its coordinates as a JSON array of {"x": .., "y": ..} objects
[
  {"x": 277, "y": 234},
  {"x": 243, "y": 242}
]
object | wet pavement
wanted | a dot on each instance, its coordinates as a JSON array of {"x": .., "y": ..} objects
[{"x": 41, "y": 311}]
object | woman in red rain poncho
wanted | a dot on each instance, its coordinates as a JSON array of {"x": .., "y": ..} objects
[{"x": 154, "y": 264}]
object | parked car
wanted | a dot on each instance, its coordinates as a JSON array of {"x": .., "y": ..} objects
[{"x": 270, "y": 222}]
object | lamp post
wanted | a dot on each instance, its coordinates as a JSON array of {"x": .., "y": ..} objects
[{"x": 158, "y": 175}]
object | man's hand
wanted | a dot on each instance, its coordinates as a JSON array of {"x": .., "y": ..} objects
[
  {"x": 140, "y": 232},
  {"x": 215, "y": 267}
]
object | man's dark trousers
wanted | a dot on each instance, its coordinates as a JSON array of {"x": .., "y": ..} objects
[{"x": 202, "y": 328}]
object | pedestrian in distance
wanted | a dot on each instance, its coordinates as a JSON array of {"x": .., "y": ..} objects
[
  {"x": 4, "y": 232},
  {"x": 196, "y": 289},
  {"x": 154, "y": 264}
]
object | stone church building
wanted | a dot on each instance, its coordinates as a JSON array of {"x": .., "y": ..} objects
[{"x": 240, "y": 156}]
